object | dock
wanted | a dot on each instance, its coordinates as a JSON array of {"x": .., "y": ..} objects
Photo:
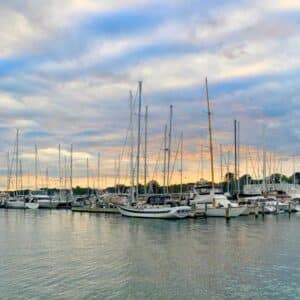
[{"x": 108, "y": 210}]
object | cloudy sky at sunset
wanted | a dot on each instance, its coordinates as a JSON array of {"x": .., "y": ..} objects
[{"x": 66, "y": 69}]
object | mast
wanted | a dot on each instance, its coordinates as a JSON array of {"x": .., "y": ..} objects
[
  {"x": 145, "y": 154},
  {"x": 21, "y": 176},
  {"x": 264, "y": 163},
  {"x": 181, "y": 161},
  {"x": 238, "y": 157},
  {"x": 71, "y": 168},
  {"x": 35, "y": 167},
  {"x": 47, "y": 178},
  {"x": 8, "y": 172},
  {"x": 59, "y": 172},
  {"x": 165, "y": 157},
  {"x": 294, "y": 171},
  {"x": 169, "y": 146},
  {"x": 118, "y": 173},
  {"x": 138, "y": 141},
  {"x": 65, "y": 172},
  {"x": 235, "y": 155},
  {"x": 210, "y": 138},
  {"x": 87, "y": 175},
  {"x": 228, "y": 162},
  {"x": 221, "y": 162},
  {"x": 98, "y": 171},
  {"x": 17, "y": 160},
  {"x": 131, "y": 148},
  {"x": 202, "y": 163}
]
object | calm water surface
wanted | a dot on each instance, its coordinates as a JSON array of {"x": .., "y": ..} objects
[{"x": 64, "y": 255}]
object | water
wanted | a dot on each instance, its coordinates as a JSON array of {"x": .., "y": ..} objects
[{"x": 64, "y": 255}]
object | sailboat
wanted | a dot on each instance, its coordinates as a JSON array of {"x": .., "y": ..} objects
[
  {"x": 156, "y": 206},
  {"x": 19, "y": 201},
  {"x": 209, "y": 197}
]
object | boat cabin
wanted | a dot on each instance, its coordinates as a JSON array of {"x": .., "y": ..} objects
[{"x": 161, "y": 200}]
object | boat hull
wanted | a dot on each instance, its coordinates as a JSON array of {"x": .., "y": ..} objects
[
  {"x": 222, "y": 212},
  {"x": 48, "y": 204},
  {"x": 32, "y": 205},
  {"x": 16, "y": 204},
  {"x": 297, "y": 208},
  {"x": 179, "y": 212}
]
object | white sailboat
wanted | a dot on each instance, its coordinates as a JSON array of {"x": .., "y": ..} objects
[
  {"x": 209, "y": 197},
  {"x": 158, "y": 206},
  {"x": 19, "y": 201}
]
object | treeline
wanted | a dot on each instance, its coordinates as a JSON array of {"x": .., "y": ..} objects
[{"x": 229, "y": 183}]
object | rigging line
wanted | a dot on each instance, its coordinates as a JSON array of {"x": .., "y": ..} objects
[
  {"x": 175, "y": 159},
  {"x": 156, "y": 166}
]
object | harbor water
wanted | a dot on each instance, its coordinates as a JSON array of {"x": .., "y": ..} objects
[{"x": 63, "y": 255}]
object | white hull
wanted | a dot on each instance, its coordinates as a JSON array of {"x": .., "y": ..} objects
[
  {"x": 297, "y": 207},
  {"x": 178, "y": 212},
  {"x": 48, "y": 203},
  {"x": 221, "y": 211},
  {"x": 32, "y": 205},
  {"x": 15, "y": 204}
]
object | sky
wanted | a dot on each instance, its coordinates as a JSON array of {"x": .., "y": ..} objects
[{"x": 66, "y": 69}]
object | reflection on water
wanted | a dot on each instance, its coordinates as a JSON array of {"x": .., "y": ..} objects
[{"x": 65, "y": 255}]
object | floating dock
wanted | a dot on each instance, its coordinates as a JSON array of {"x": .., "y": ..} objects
[{"x": 100, "y": 210}]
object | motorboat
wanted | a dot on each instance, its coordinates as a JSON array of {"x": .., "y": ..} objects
[
  {"x": 214, "y": 202},
  {"x": 43, "y": 199}
]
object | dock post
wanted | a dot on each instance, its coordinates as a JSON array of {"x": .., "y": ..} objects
[
  {"x": 205, "y": 209},
  {"x": 290, "y": 208},
  {"x": 256, "y": 210},
  {"x": 227, "y": 212},
  {"x": 263, "y": 209},
  {"x": 277, "y": 207}
]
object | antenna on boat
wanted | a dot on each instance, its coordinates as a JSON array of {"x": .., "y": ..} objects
[{"x": 210, "y": 138}]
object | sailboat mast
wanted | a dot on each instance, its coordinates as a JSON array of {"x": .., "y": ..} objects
[
  {"x": 181, "y": 161},
  {"x": 165, "y": 158},
  {"x": 169, "y": 146},
  {"x": 87, "y": 175},
  {"x": 71, "y": 168},
  {"x": 145, "y": 154},
  {"x": 235, "y": 155},
  {"x": 221, "y": 162},
  {"x": 138, "y": 141},
  {"x": 238, "y": 157},
  {"x": 35, "y": 167},
  {"x": 65, "y": 172},
  {"x": 17, "y": 160},
  {"x": 98, "y": 171},
  {"x": 210, "y": 138},
  {"x": 8, "y": 172},
  {"x": 21, "y": 176},
  {"x": 131, "y": 148}
]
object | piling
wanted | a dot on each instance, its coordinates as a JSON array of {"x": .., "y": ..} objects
[
  {"x": 256, "y": 210},
  {"x": 227, "y": 212},
  {"x": 277, "y": 207}
]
